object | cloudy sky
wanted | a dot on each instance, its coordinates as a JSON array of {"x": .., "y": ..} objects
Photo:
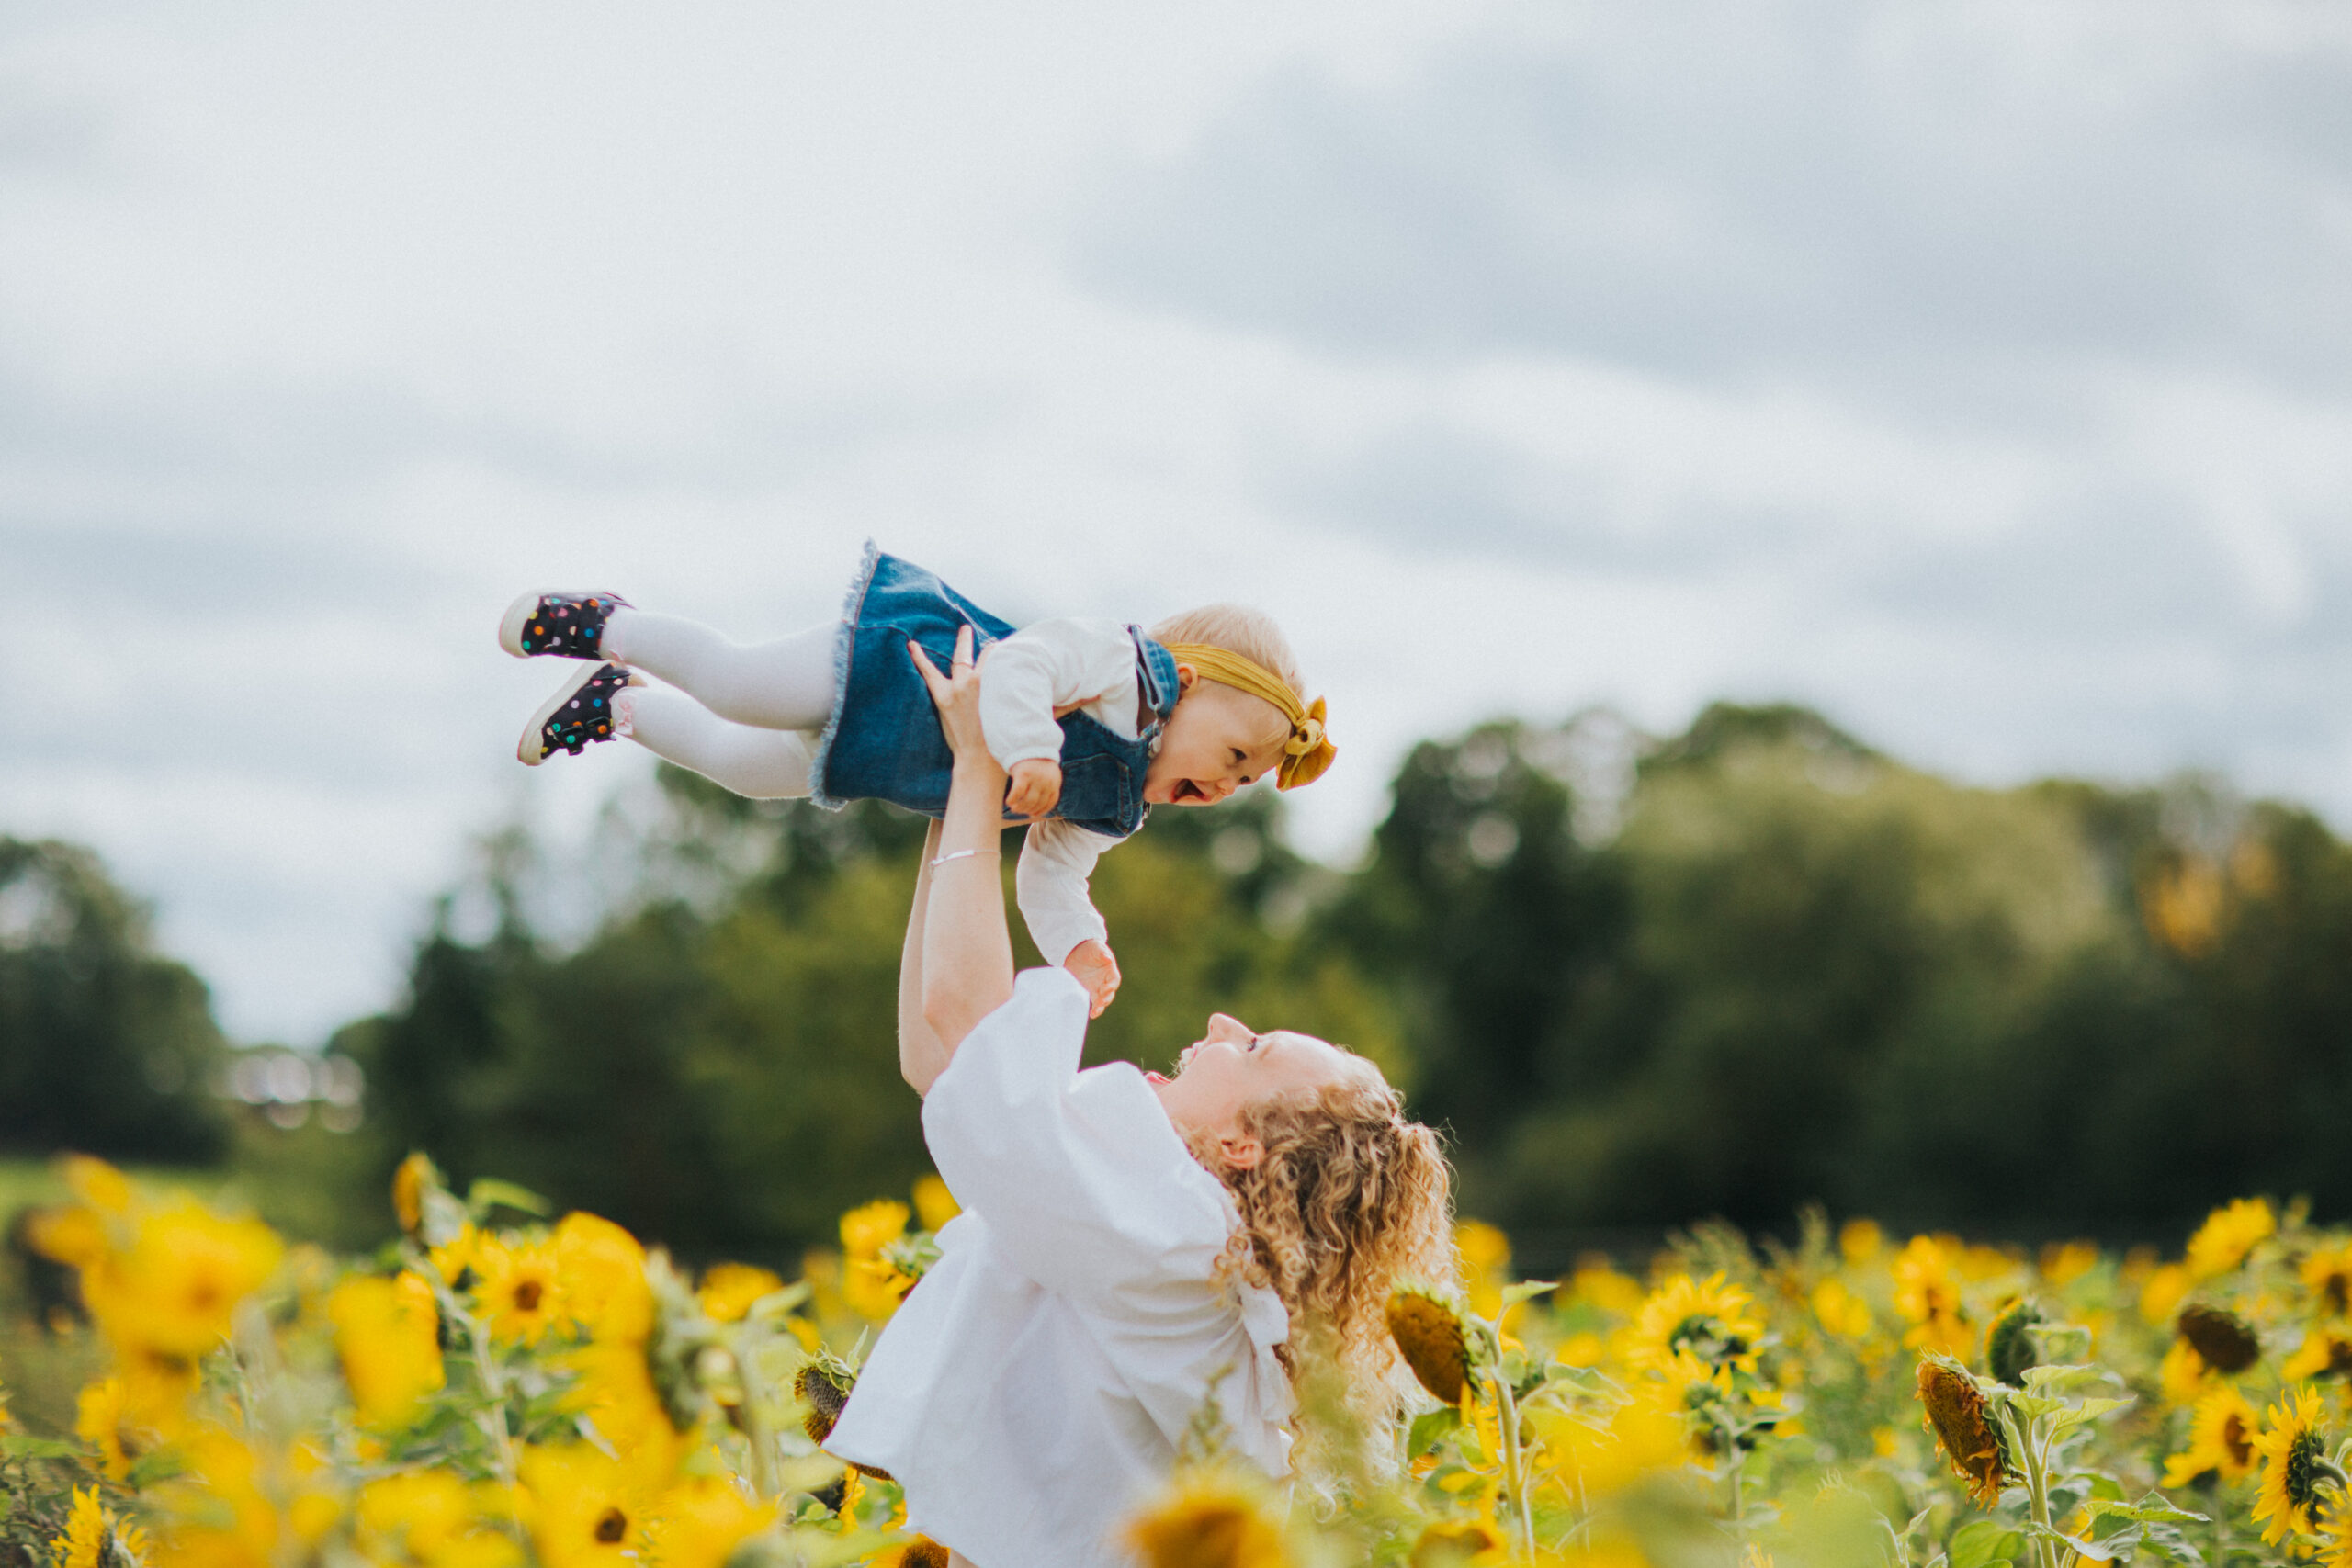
[{"x": 1981, "y": 373}]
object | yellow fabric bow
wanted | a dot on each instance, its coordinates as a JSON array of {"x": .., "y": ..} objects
[{"x": 1308, "y": 750}]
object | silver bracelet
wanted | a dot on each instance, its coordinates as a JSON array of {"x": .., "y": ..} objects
[{"x": 962, "y": 855}]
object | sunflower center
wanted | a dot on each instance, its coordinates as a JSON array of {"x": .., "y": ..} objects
[
  {"x": 526, "y": 1298},
  {"x": 612, "y": 1525},
  {"x": 2236, "y": 1442},
  {"x": 2337, "y": 1291}
]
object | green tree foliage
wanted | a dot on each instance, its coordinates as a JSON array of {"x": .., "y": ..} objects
[
  {"x": 1791, "y": 970},
  {"x": 717, "y": 1066},
  {"x": 103, "y": 1045}
]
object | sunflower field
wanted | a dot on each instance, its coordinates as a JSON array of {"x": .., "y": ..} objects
[{"x": 496, "y": 1387}]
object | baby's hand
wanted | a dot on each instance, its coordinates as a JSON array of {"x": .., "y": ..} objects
[
  {"x": 1036, "y": 784},
  {"x": 1092, "y": 962}
]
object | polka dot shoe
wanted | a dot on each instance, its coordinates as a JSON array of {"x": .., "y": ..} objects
[
  {"x": 577, "y": 715},
  {"x": 562, "y": 626}
]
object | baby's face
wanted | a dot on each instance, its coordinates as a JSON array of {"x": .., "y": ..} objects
[{"x": 1217, "y": 741}]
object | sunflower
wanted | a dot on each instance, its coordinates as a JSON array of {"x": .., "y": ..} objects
[
  {"x": 101, "y": 1421},
  {"x": 2010, "y": 1345},
  {"x": 730, "y": 1289},
  {"x": 1485, "y": 1252},
  {"x": 1434, "y": 1340},
  {"x": 1927, "y": 1294},
  {"x": 2336, "y": 1534},
  {"x": 2228, "y": 1234},
  {"x": 409, "y": 1184},
  {"x": 2221, "y": 1440},
  {"x": 519, "y": 1291},
  {"x": 174, "y": 1289},
  {"x": 699, "y": 1523},
  {"x": 1965, "y": 1424},
  {"x": 602, "y": 1270},
  {"x": 1841, "y": 1312},
  {"x": 2328, "y": 1275},
  {"x": 934, "y": 1205},
  {"x": 388, "y": 1336},
  {"x": 2294, "y": 1467},
  {"x": 583, "y": 1510},
  {"x": 2183, "y": 1374},
  {"x": 1208, "y": 1521},
  {"x": 2223, "y": 1340},
  {"x": 1708, "y": 1321},
  {"x": 616, "y": 1394},
  {"x": 1643, "y": 1437},
  {"x": 2327, "y": 1353},
  {"x": 867, "y": 1229},
  {"x": 94, "y": 1538}
]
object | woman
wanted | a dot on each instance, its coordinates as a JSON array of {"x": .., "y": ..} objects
[{"x": 1133, "y": 1247}]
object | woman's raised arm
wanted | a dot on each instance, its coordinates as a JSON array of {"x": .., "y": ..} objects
[{"x": 965, "y": 950}]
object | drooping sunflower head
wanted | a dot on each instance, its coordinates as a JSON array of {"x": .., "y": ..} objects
[
  {"x": 2295, "y": 1466},
  {"x": 1707, "y": 1320},
  {"x": 1458, "y": 1543},
  {"x": 2228, "y": 1234},
  {"x": 2221, "y": 1440},
  {"x": 2225, "y": 1342},
  {"x": 824, "y": 1386},
  {"x": 924, "y": 1552},
  {"x": 1209, "y": 1520},
  {"x": 1434, "y": 1339},
  {"x": 2011, "y": 1345},
  {"x": 1966, "y": 1426}
]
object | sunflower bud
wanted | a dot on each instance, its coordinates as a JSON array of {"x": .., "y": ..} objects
[
  {"x": 2010, "y": 1345},
  {"x": 824, "y": 1386}
]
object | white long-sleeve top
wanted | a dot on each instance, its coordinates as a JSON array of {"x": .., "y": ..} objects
[
  {"x": 1032, "y": 1391},
  {"x": 1027, "y": 682}
]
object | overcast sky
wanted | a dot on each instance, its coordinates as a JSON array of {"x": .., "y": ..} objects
[{"x": 1979, "y": 373}]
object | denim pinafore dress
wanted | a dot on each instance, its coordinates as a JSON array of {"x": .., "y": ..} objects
[{"x": 882, "y": 740}]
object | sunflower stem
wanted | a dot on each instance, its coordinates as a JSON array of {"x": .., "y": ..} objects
[
  {"x": 1514, "y": 1460},
  {"x": 2037, "y": 1486}
]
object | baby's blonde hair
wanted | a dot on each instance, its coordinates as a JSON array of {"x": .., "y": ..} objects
[
  {"x": 1240, "y": 629},
  {"x": 1348, "y": 1198}
]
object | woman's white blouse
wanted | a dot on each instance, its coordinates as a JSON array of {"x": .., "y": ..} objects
[{"x": 1031, "y": 1393}]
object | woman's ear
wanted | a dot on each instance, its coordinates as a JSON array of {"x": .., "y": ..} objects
[{"x": 1240, "y": 1152}]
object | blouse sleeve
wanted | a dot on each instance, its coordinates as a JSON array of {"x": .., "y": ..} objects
[
  {"x": 1051, "y": 885},
  {"x": 1080, "y": 1176},
  {"x": 1039, "y": 670}
]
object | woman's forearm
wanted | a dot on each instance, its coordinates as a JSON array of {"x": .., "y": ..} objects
[
  {"x": 966, "y": 949},
  {"x": 922, "y": 1057}
]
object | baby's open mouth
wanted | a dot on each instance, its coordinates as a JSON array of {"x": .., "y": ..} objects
[{"x": 1187, "y": 790}]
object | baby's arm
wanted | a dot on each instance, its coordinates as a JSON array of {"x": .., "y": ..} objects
[
  {"x": 1031, "y": 677},
  {"x": 1050, "y": 884}
]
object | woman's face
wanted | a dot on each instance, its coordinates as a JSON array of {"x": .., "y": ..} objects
[{"x": 1229, "y": 1067}]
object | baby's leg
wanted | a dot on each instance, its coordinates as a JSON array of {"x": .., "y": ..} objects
[
  {"x": 765, "y": 764},
  {"x": 786, "y": 685}
]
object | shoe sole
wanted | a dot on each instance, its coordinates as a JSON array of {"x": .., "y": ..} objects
[
  {"x": 531, "y": 751},
  {"x": 510, "y": 626}
]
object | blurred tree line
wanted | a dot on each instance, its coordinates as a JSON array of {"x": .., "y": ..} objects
[{"x": 1752, "y": 966}]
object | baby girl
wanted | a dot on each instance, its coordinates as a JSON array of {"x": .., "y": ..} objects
[{"x": 1094, "y": 722}]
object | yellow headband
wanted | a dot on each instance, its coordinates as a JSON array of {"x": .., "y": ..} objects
[{"x": 1308, "y": 750}]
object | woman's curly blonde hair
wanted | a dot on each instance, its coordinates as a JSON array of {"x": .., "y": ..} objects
[{"x": 1347, "y": 1198}]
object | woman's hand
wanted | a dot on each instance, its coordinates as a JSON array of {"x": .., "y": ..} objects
[{"x": 956, "y": 695}]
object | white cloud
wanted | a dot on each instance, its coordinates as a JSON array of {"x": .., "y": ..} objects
[{"x": 1979, "y": 374}]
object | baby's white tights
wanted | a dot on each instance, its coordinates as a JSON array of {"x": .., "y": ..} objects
[{"x": 746, "y": 718}]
